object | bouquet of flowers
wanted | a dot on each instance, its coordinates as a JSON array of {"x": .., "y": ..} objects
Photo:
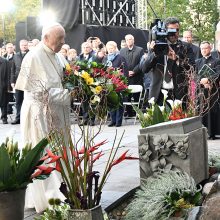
[{"x": 99, "y": 86}]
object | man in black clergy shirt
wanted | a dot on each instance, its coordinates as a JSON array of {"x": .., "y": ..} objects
[{"x": 210, "y": 89}]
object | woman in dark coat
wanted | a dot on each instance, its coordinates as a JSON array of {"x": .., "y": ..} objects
[
  {"x": 4, "y": 72},
  {"x": 115, "y": 60}
]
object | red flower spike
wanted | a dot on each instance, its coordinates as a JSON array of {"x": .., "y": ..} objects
[
  {"x": 82, "y": 150},
  {"x": 54, "y": 159},
  {"x": 50, "y": 153},
  {"x": 100, "y": 154},
  {"x": 121, "y": 158},
  {"x": 77, "y": 162},
  {"x": 46, "y": 170},
  {"x": 36, "y": 173},
  {"x": 44, "y": 158},
  {"x": 75, "y": 154},
  {"x": 58, "y": 167},
  {"x": 42, "y": 167}
]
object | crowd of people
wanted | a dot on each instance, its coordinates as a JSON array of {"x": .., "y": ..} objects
[{"x": 141, "y": 67}]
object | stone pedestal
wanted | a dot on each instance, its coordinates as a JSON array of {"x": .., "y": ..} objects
[{"x": 178, "y": 144}]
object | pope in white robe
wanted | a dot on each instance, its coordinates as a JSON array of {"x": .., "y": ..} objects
[{"x": 46, "y": 106}]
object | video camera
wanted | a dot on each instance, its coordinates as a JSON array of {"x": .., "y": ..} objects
[{"x": 159, "y": 34}]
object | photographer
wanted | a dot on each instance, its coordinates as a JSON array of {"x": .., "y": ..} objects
[{"x": 169, "y": 60}]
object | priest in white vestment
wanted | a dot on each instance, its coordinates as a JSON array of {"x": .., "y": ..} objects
[{"x": 46, "y": 105}]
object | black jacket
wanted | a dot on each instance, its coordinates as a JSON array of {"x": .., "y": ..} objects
[
  {"x": 133, "y": 58},
  {"x": 16, "y": 66},
  {"x": 118, "y": 62},
  {"x": 4, "y": 72},
  {"x": 178, "y": 69},
  {"x": 10, "y": 63}
]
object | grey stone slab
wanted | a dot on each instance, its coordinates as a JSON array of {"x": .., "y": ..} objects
[{"x": 181, "y": 126}]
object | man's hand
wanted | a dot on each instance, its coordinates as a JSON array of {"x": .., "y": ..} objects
[
  {"x": 152, "y": 44},
  {"x": 130, "y": 73},
  {"x": 171, "y": 54},
  {"x": 205, "y": 82}
]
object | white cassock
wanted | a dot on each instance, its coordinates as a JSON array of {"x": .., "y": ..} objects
[{"x": 46, "y": 106}]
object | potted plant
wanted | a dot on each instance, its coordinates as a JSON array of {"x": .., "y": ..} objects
[
  {"x": 82, "y": 184},
  {"x": 16, "y": 172}
]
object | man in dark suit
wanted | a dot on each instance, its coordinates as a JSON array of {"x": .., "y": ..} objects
[
  {"x": 208, "y": 71},
  {"x": 187, "y": 37},
  {"x": 9, "y": 56},
  {"x": 17, "y": 60},
  {"x": 132, "y": 55},
  {"x": 169, "y": 71},
  {"x": 4, "y": 71}
]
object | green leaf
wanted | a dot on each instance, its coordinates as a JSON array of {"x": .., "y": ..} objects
[
  {"x": 31, "y": 160},
  {"x": 113, "y": 100},
  {"x": 157, "y": 115},
  {"x": 5, "y": 167}
]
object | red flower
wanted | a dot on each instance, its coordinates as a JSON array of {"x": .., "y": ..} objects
[
  {"x": 100, "y": 154},
  {"x": 58, "y": 167},
  {"x": 42, "y": 170},
  {"x": 122, "y": 158}
]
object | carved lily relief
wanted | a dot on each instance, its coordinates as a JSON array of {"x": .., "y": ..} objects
[
  {"x": 163, "y": 144},
  {"x": 144, "y": 150},
  {"x": 181, "y": 148},
  {"x": 158, "y": 165}
]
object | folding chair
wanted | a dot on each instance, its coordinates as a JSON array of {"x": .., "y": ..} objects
[{"x": 134, "y": 89}]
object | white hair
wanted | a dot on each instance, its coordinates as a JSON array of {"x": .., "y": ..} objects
[
  {"x": 129, "y": 36},
  {"x": 47, "y": 28},
  {"x": 111, "y": 43}
]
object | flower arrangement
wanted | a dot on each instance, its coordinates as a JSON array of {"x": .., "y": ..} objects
[
  {"x": 82, "y": 185},
  {"x": 102, "y": 87},
  {"x": 170, "y": 110}
]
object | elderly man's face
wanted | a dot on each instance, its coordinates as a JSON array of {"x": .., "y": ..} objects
[
  {"x": 55, "y": 39},
  {"x": 205, "y": 49},
  {"x": 129, "y": 41},
  {"x": 86, "y": 48}
]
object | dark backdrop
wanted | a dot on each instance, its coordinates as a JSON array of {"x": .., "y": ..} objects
[
  {"x": 79, "y": 33},
  {"x": 66, "y": 11}
]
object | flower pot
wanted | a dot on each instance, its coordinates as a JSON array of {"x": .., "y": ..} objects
[
  {"x": 88, "y": 214},
  {"x": 12, "y": 205}
]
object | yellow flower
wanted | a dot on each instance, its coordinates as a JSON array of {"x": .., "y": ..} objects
[
  {"x": 68, "y": 68},
  {"x": 85, "y": 75},
  {"x": 98, "y": 89},
  {"x": 181, "y": 203},
  {"x": 89, "y": 81}
]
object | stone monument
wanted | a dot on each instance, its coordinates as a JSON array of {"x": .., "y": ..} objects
[{"x": 180, "y": 144}]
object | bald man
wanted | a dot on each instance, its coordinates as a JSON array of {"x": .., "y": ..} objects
[{"x": 46, "y": 104}]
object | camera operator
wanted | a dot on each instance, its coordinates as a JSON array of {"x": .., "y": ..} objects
[{"x": 169, "y": 65}]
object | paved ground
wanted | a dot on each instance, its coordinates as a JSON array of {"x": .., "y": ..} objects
[{"x": 123, "y": 177}]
